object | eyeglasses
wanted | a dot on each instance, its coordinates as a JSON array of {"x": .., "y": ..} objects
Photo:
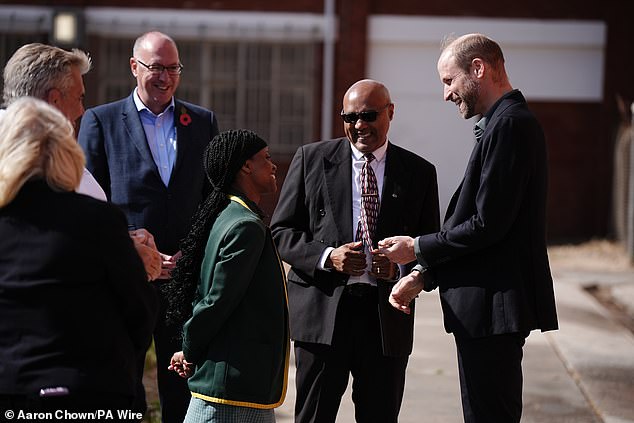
[
  {"x": 367, "y": 116},
  {"x": 157, "y": 69}
]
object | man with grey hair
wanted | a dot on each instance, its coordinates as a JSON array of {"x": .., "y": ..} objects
[
  {"x": 55, "y": 75},
  {"x": 50, "y": 74}
]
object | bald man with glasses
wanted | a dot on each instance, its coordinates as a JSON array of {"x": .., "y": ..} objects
[
  {"x": 146, "y": 152},
  {"x": 339, "y": 197}
]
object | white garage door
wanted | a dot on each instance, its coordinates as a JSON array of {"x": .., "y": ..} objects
[{"x": 559, "y": 61}]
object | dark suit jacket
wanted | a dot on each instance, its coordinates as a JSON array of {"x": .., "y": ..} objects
[
  {"x": 315, "y": 212},
  {"x": 490, "y": 258},
  {"x": 76, "y": 309},
  {"x": 118, "y": 156}
]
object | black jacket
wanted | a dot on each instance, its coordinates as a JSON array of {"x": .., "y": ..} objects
[
  {"x": 315, "y": 212},
  {"x": 490, "y": 258},
  {"x": 76, "y": 309}
]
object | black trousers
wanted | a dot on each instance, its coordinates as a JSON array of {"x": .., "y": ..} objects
[
  {"x": 491, "y": 378},
  {"x": 323, "y": 371},
  {"x": 174, "y": 393}
]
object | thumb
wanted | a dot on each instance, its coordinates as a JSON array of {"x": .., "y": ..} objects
[
  {"x": 386, "y": 242},
  {"x": 356, "y": 244}
]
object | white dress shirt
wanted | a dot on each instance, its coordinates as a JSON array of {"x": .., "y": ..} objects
[
  {"x": 378, "y": 165},
  {"x": 89, "y": 186}
]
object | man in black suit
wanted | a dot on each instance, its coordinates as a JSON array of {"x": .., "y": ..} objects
[
  {"x": 340, "y": 318},
  {"x": 146, "y": 151},
  {"x": 489, "y": 260}
]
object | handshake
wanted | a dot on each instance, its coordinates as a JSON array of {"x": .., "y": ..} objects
[
  {"x": 349, "y": 259},
  {"x": 400, "y": 249}
]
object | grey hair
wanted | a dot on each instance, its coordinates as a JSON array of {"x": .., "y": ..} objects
[{"x": 35, "y": 69}]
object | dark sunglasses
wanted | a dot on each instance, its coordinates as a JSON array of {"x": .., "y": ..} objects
[{"x": 367, "y": 116}]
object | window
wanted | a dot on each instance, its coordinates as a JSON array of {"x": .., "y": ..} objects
[{"x": 268, "y": 87}]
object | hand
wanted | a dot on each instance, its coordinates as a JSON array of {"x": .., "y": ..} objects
[
  {"x": 181, "y": 366},
  {"x": 144, "y": 237},
  {"x": 405, "y": 290},
  {"x": 382, "y": 267},
  {"x": 146, "y": 248},
  {"x": 348, "y": 258},
  {"x": 151, "y": 259},
  {"x": 168, "y": 264},
  {"x": 399, "y": 249}
]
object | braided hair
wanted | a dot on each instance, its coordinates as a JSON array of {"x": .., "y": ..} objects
[{"x": 222, "y": 160}]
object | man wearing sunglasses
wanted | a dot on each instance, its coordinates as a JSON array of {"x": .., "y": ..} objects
[
  {"x": 336, "y": 201},
  {"x": 146, "y": 152}
]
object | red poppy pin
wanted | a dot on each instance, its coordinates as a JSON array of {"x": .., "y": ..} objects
[{"x": 185, "y": 119}]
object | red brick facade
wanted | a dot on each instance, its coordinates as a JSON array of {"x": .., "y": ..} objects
[{"x": 579, "y": 135}]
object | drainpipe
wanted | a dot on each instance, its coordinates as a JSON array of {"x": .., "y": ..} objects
[
  {"x": 630, "y": 194},
  {"x": 328, "y": 69}
]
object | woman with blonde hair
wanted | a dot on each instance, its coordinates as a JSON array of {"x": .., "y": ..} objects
[
  {"x": 75, "y": 308},
  {"x": 37, "y": 142}
]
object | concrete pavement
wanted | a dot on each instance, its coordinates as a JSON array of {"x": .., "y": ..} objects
[{"x": 583, "y": 373}]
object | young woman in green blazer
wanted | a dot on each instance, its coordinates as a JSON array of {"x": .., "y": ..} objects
[{"x": 235, "y": 338}]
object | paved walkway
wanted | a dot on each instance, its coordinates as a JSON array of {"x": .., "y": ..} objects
[{"x": 583, "y": 373}]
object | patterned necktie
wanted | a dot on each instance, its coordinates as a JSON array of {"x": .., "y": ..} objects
[{"x": 369, "y": 203}]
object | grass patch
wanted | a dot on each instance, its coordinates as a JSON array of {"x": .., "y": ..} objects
[{"x": 153, "y": 414}]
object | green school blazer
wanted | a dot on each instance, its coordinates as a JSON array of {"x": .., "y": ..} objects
[{"x": 238, "y": 335}]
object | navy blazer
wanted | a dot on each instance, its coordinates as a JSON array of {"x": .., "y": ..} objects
[
  {"x": 76, "y": 309},
  {"x": 119, "y": 157},
  {"x": 315, "y": 212},
  {"x": 490, "y": 258}
]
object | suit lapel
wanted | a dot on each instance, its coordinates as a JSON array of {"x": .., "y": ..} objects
[
  {"x": 504, "y": 104},
  {"x": 338, "y": 175},
  {"x": 513, "y": 98},
  {"x": 392, "y": 199},
  {"x": 183, "y": 133},
  {"x": 134, "y": 128}
]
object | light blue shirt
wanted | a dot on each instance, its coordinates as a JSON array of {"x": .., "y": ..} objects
[{"x": 160, "y": 133}]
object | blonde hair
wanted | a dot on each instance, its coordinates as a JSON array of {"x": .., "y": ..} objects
[{"x": 37, "y": 141}]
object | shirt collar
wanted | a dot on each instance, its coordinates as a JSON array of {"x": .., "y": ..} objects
[
  {"x": 379, "y": 153},
  {"x": 140, "y": 106},
  {"x": 479, "y": 127}
]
